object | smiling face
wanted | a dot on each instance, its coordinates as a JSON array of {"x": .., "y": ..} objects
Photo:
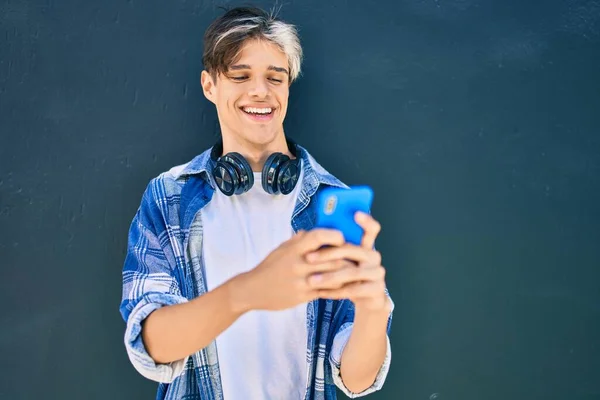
[{"x": 251, "y": 97}]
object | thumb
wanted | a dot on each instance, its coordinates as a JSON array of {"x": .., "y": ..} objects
[{"x": 299, "y": 234}]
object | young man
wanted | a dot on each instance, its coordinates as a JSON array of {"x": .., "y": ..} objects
[{"x": 228, "y": 291}]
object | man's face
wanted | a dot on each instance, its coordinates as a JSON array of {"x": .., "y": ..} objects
[{"x": 252, "y": 97}]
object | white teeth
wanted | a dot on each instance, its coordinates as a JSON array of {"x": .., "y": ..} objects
[{"x": 254, "y": 110}]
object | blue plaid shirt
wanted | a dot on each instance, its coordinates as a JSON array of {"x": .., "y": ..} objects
[{"x": 163, "y": 267}]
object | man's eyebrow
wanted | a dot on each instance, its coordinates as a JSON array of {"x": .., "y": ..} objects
[
  {"x": 238, "y": 67},
  {"x": 278, "y": 69}
]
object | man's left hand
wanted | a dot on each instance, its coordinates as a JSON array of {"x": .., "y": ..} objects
[{"x": 362, "y": 280}]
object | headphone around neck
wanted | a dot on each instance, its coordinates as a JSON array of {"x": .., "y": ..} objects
[{"x": 233, "y": 173}]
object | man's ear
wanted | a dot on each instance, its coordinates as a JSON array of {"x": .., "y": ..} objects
[{"x": 208, "y": 86}]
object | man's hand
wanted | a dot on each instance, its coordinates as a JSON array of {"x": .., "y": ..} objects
[
  {"x": 280, "y": 281},
  {"x": 363, "y": 282}
]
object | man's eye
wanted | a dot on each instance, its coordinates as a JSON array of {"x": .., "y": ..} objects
[
  {"x": 239, "y": 78},
  {"x": 276, "y": 80}
]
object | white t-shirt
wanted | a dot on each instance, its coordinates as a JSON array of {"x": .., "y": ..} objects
[{"x": 262, "y": 355}]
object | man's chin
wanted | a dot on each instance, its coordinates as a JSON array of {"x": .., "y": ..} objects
[{"x": 260, "y": 136}]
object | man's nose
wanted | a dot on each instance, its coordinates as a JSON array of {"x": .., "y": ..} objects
[{"x": 259, "y": 88}]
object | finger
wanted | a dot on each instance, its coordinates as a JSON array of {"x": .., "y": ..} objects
[
  {"x": 345, "y": 276},
  {"x": 300, "y": 233},
  {"x": 327, "y": 266},
  {"x": 356, "y": 290},
  {"x": 371, "y": 229},
  {"x": 310, "y": 295},
  {"x": 347, "y": 251},
  {"x": 319, "y": 237}
]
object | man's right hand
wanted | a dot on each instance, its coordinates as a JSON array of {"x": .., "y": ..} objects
[{"x": 280, "y": 281}]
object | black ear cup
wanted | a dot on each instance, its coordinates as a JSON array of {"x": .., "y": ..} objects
[
  {"x": 226, "y": 178},
  {"x": 245, "y": 171},
  {"x": 288, "y": 175},
  {"x": 233, "y": 174},
  {"x": 270, "y": 172}
]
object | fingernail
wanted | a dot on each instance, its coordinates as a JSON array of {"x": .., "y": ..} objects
[
  {"x": 316, "y": 278},
  {"x": 311, "y": 257}
]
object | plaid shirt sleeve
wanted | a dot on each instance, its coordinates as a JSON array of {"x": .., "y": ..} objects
[
  {"x": 149, "y": 281},
  {"x": 341, "y": 340}
]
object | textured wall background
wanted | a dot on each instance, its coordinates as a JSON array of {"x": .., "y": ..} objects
[{"x": 476, "y": 122}]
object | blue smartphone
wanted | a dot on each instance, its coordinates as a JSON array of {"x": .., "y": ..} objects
[{"x": 336, "y": 208}]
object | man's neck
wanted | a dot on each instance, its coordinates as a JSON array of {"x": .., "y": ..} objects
[{"x": 255, "y": 153}]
